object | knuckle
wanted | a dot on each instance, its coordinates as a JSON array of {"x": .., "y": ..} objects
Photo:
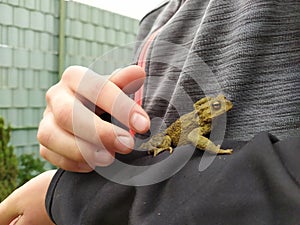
[
  {"x": 66, "y": 164},
  {"x": 77, "y": 157},
  {"x": 63, "y": 163},
  {"x": 43, "y": 152},
  {"x": 44, "y": 134},
  {"x": 50, "y": 93},
  {"x": 67, "y": 75},
  {"x": 63, "y": 113},
  {"x": 106, "y": 137}
]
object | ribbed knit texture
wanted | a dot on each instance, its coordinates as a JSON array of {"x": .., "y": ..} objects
[{"x": 248, "y": 50}]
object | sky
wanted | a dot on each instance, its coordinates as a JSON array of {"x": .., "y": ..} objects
[{"x": 132, "y": 8}]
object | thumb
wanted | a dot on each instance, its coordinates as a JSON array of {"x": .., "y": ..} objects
[{"x": 129, "y": 79}]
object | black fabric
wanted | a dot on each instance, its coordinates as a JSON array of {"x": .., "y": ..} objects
[{"x": 258, "y": 184}]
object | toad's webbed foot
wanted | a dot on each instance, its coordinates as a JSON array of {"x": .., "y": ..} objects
[
  {"x": 156, "y": 151},
  {"x": 223, "y": 151}
]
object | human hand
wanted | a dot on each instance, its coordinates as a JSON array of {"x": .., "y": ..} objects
[
  {"x": 26, "y": 205},
  {"x": 70, "y": 124}
]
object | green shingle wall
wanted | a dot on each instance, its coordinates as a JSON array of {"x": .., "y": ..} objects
[
  {"x": 92, "y": 32},
  {"x": 29, "y": 46}
]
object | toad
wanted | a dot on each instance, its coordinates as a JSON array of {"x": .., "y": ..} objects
[{"x": 191, "y": 128}]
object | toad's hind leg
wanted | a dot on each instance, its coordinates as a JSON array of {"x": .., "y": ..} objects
[
  {"x": 201, "y": 142},
  {"x": 157, "y": 144}
]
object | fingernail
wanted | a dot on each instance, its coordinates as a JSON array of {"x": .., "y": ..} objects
[
  {"x": 122, "y": 143},
  {"x": 103, "y": 158},
  {"x": 139, "y": 122}
]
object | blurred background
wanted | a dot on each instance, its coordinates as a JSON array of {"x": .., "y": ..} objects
[{"x": 38, "y": 40}]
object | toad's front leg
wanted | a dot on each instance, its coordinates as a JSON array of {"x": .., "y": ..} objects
[
  {"x": 201, "y": 142},
  {"x": 158, "y": 143}
]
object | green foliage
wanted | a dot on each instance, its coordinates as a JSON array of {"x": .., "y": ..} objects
[
  {"x": 15, "y": 171},
  {"x": 8, "y": 162},
  {"x": 29, "y": 167}
]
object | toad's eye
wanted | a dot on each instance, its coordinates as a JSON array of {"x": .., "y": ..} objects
[{"x": 216, "y": 105}]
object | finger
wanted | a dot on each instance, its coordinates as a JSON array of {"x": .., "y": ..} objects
[
  {"x": 62, "y": 162},
  {"x": 107, "y": 96},
  {"x": 47, "y": 109},
  {"x": 53, "y": 137},
  {"x": 76, "y": 119},
  {"x": 98, "y": 158},
  {"x": 74, "y": 148},
  {"x": 128, "y": 84},
  {"x": 129, "y": 79},
  {"x": 71, "y": 153},
  {"x": 92, "y": 159}
]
